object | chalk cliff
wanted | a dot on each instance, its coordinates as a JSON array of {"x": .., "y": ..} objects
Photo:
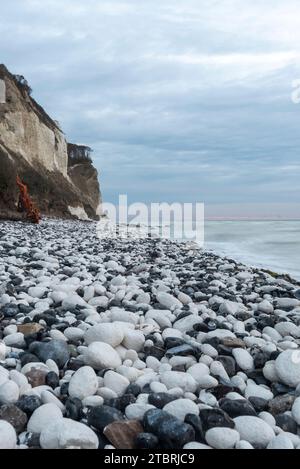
[{"x": 61, "y": 177}]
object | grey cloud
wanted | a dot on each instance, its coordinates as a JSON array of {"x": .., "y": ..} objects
[{"x": 188, "y": 101}]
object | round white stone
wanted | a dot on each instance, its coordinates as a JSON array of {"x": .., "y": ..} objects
[
  {"x": 93, "y": 401},
  {"x": 198, "y": 371},
  {"x": 100, "y": 355},
  {"x": 195, "y": 445},
  {"x": 254, "y": 430},
  {"x": 8, "y": 437},
  {"x": 108, "y": 333},
  {"x": 84, "y": 383},
  {"x": 207, "y": 382},
  {"x": 42, "y": 417},
  {"x": 168, "y": 301},
  {"x": 18, "y": 378},
  {"x": 134, "y": 340},
  {"x": 181, "y": 407},
  {"x": 265, "y": 307},
  {"x": 73, "y": 333},
  {"x": 243, "y": 358},
  {"x": 280, "y": 442},
  {"x": 116, "y": 382},
  {"x": 296, "y": 410},
  {"x": 269, "y": 371},
  {"x": 222, "y": 438},
  {"x": 184, "y": 299},
  {"x": 158, "y": 387},
  {"x": 287, "y": 328},
  {"x": 267, "y": 417},
  {"x": 107, "y": 393},
  {"x": 9, "y": 392},
  {"x": 49, "y": 398},
  {"x": 287, "y": 367},
  {"x": 255, "y": 390},
  {"x": 178, "y": 379},
  {"x": 37, "y": 292},
  {"x": 242, "y": 444},
  {"x": 2, "y": 351},
  {"x": 137, "y": 411},
  {"x": 4, "y": 375},
  {"x": 66, "y": 433},
  {"x": 14, "y": 340}
]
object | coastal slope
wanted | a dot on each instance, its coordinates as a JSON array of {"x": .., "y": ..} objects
[{"x": 33, "y": 146}]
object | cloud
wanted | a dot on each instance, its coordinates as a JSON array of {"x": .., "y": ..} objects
[{"x": 188, "y": 101}]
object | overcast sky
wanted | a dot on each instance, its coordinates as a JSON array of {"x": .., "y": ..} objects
[{"x": 182, "y": 100}]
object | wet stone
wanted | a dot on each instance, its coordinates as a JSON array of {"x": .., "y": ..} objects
[
  {"x": 211, "y": 418},
  {"x": 286, "y": 423},
  {"x": 52, "y": 380},
  {"x": 33, "y": 441},
  {"x": 260, "y": 359},
  {"x": 146, "y": 441},
  {"x": 74, "y": 408},
  {"x": 123, "y": 435},
  {"x": 195, "y": 422},
  {"x": 121, "y": 403},
  {"x": 9, "y": 310},
  {"x": 229, "y": 364},
  {"x": 236, "y": 408},
  {"x": 36, "y": 377},
  {"x": 28, "y": 358},
  {"x": 181, "y": 351},
  {"x": 15, "y": 416},
  {"x": 133, "y": 389},
  {"x": 100, "y": 417},
  {"x": 160, "y": 399},
  {"x": 29, "y": 404},
  {"x": 171, "y": 432},
  {"x": 281, "y": 404},
  {"x": 258, "y": 403},
  {"x": 279, "y": 388},
  {"x": 64, "y": 389},
  {"x": 56, "y": 350},
  {"x": 233, "y": 343}
]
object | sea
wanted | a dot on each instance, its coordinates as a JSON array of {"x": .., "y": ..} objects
[
  {"x": 273, "y": 245},
  {"x": 268, "y": 244}
]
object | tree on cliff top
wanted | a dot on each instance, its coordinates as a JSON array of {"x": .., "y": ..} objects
[{"x": 79, "y": 154}]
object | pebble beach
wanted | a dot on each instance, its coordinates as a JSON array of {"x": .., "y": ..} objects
[{"x": 142, "y": 344}]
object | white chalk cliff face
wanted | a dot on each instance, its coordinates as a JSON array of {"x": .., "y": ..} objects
[{"x": 33, "y": 146}]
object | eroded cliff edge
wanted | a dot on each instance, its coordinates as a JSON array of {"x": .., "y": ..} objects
[{"x": 33, "y": 146}]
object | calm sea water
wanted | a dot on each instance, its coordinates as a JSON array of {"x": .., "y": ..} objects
[{"x": 269, "y": 244}]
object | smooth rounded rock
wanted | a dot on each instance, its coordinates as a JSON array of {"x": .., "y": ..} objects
[
  {"x": 116, "y": 382},
  {"x": 9, "y": 392},
  {"x": 222, "y": 438},
  {"x": 8, "y": 437},
  {"x": 84, "y": 383},
  {"x": 66, "y": 433},
  {"x": 288, "y": 367},
  {"x": 296, "y": 410},
  {"x": 254, "y": 430},
  {"x": 101, "y": 355},
  {"x": 243, "y": 358},
  {"x": 43, "y": 417},
  {"x": 280, "y": 442},
  {"x": 134, "y": 340},
  {"x": 171, "y": 431},
  {"x": 108, "y": 333},
  {"x": 181, "y": 407},
  {"x": 174, "y": 379}
]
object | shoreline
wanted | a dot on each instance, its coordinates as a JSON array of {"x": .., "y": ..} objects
[
  {"x": 142, "y": 344},
  {"x": 222, "y": 253}
]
